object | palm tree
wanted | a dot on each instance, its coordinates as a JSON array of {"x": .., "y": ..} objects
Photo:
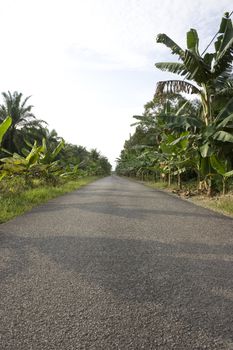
[
  {"x": 94, "y": 154},
  {"x": 210, "y": 72},
  {"x": 21, "y": 115}
]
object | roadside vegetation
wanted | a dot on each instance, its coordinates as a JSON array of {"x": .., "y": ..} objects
[
  {"x": 187, "y": 144},
  {"x": 35, "y": 163},
  {"x": 19, "y": 200}
]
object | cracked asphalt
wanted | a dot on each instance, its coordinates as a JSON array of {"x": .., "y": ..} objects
[{"x": 116, "y": 265}]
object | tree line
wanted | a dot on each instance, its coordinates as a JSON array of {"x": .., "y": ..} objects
[
  {"x": 178, "y": 139},
  {"x": 29, "y": 150}
]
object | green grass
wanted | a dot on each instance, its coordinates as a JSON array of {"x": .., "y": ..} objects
[
  {"x": 225, "y": 204},
  {"x": 14, "y": 204},
  {"x": 220, "y": 204}
]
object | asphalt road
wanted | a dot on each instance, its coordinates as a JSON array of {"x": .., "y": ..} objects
[{"x": 117, "y": 265}]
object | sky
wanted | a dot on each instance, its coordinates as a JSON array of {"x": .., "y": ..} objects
[{"x": 89, "y": 64}]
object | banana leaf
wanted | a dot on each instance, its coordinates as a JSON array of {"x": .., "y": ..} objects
[
  {"x": 219, "y": 165},
  {"x": 4, "y": 126},
  {"x": 223, "y": 136}
]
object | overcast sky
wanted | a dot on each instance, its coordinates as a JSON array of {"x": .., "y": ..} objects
[{"x": 89, "y": 64}]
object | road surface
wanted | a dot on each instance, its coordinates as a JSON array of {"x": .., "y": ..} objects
[{"x": 117, "y": 265}]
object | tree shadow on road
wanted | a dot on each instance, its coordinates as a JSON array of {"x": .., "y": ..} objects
[
  {"x": 191, "y": 282},
  {"x": 184, "y": 210}
]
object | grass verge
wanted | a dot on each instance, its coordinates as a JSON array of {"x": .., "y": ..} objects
[
  {"x": 15, "y": 204},
  {"x": 219, "y": 203}
]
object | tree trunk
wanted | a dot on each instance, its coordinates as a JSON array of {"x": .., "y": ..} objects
[
  {"x": 223, "y": 186},
  {"x": 155, "y": 177},
  {"x": 179, "y": 180},
  {"x": 142, "y": 175},
  {"x": 169, "y": 178},
  {"x": 198, "y": 180},
  {"x": 209, "y": 190}
]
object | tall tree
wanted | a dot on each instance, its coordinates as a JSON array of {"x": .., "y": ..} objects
[{"x": 210, "y": 72}]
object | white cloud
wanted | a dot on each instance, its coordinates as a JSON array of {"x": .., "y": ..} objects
[{"x": 87, "y": 58}]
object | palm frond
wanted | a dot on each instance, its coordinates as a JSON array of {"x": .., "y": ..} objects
[
  {"x": 182, "y": 108},
  {"x": 172, "y": 67},
  {"x": 221, "y": 81},
  {"x": 27, "y": 123},
  {"x": 176, "y": 49},
  {"x": 224, "y": 61},
  {"x": 25, "y": 101},
  {"x": 182, "y": 122},
  {"x": 225, "y": 111},
  {"x": 175, "y": 86},
  {"x": 193, "y": 41},
  {"x": 226, "y": 90},
  {"x": 224, "y": 47},
  {"x": 198, "y": 69}
]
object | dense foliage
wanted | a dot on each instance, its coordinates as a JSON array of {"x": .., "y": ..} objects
[
  {"x": 182, "y": 139},
  {"x": 31, "y": 154}
]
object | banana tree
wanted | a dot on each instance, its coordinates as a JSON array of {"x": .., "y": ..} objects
[
  {"x": 146, "y": 161},
  {"x": 206, "y": 140},
  {"x": 71, "y": 172},
  {"x": 17, "y": 165},
  {"x": 128, "y": 163},
  {"x": 175, "y": 149},
  {"x": 48, "y": 167},
  {"x": 38, "y": 162},
  {"x": 222, "y": 168},
  {"x": 217, "y": 134},
  {"x": 4, "y": 126},
  {"x": 210, "y": 72}
]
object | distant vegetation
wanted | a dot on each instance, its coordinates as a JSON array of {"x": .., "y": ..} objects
[
  {"x": 178, "y": 140},
  {"x": 32, "y": 157}
]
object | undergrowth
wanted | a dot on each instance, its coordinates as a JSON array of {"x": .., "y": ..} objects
[{"x": 19, "y": 199}]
